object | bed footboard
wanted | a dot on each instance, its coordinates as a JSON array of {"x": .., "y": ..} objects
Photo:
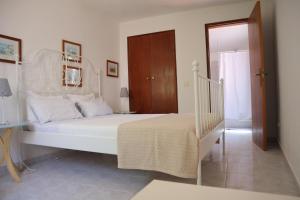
[
  {"x": 209, "y": 113},
  {"x": 209, "y": 102}
]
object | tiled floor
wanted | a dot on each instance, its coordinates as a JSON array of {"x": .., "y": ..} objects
[
  {"x": 79, "y": 175},
  {"x": 247, "y": 167}
]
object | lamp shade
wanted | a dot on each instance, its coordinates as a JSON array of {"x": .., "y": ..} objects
[
  {"x": 124, "y": 92},
  {"x": 4, "y": 88}
]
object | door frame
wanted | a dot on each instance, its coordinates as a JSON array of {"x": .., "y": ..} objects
[{"x": 218, "y": 25}]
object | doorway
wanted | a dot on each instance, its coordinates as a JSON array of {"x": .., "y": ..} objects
[
  {"x": 262, "y": 76},
  {"x": 228, "y": 59}
]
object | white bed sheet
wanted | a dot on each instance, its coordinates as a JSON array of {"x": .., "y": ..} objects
[{"x": 101, "y": 126}]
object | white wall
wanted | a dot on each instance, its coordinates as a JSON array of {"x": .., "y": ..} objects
[
  {"x": 190, "y": 41},
  {"x": 229, "y": 38},
  {"x": 44, "y": 23},
  {"x": 288, "y": 48},
  {"x": 223, "y": 39}
]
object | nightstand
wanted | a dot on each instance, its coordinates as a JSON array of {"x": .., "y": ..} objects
[{"x": 5, "y": 139}]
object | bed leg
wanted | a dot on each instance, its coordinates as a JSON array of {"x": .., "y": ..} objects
[
  {"x": 199, "y": 176},
  {"x": 223, "y": 141}
]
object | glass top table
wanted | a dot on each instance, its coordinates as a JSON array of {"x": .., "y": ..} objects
[{"x": 12, "y": 125}]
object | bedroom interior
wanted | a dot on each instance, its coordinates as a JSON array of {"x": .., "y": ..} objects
[{"x": 152, "y": 100}]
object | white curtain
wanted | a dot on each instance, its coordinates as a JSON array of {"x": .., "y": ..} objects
[{"x": 235, "y": 70}]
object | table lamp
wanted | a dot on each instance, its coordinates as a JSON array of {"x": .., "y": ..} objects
[
  {"x": 5, "y": 91},
  {"x": 124, "y": 92}
]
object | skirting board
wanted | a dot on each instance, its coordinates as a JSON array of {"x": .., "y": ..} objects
[{"x": 289, "y": 163}]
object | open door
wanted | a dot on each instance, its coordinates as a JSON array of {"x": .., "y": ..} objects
[{"x": 258, "y": 75}]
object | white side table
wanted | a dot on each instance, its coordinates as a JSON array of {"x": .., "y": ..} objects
[
  {"x": 5, "y": 140},
  {"x": 162, "y": 190}
]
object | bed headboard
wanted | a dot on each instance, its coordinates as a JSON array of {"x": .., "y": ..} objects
[{"x": 44, "y": 72}]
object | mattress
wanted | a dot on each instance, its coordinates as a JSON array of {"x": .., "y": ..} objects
[
  {"x": 101, "y": 126},
  {"x": 97, "y": 134}
]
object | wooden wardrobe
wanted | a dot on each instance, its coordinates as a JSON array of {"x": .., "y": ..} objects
[{"x": 152, "y": 73}]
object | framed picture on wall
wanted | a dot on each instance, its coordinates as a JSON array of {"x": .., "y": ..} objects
[
  {"x": 72, "y": 76},
  {"x": 72, "y": 51},
  {"x": 112, "y": 68},
  {"x": 9, "y": 48}
]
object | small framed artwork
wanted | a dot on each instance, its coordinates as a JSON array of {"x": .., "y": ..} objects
[
  {"x": 72, "y": 76},
  {"x": 112, "y": 68},
  {"x": 72, "y": 51},
  {"x": 9, "y": 48}
]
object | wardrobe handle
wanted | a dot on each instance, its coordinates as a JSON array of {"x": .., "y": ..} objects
[
  {"x": 152, "y": 77},
  {"x": 148, "y": 78}
]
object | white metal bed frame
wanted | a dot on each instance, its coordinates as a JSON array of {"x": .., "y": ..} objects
[
  {"x": 48, "y": 66},
  {"x": 209, "y": 99},
  {"x": 211, "y": 102}
]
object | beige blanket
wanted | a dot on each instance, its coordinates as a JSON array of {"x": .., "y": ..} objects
[{"x": 167, "y": 144}]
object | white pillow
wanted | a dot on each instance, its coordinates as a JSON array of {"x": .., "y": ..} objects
[
  {"x": 76, "y": 98},
  {"x": 30, "y": 115},
  {"x": 96, "y": 107},
  {"x": 49, "y": 109}
]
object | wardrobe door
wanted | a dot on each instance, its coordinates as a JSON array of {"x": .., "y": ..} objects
[
  {"x": 139, "y": 73},
  {"x": 163, "y": 72}
]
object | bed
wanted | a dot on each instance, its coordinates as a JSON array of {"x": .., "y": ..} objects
[{"x": 108, "y": 134}]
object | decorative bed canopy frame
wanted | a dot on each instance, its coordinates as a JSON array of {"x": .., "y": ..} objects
[{"x": 47, "y": 70}]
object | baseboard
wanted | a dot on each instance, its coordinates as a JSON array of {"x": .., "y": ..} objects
[
  {"x": 291, "y": 167},
  {"x": 31, "y": 161}
]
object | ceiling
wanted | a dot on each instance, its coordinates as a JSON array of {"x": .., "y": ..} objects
[
  {"x": 229, "y": 38},
  {"x": 124, "y": 10}
]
